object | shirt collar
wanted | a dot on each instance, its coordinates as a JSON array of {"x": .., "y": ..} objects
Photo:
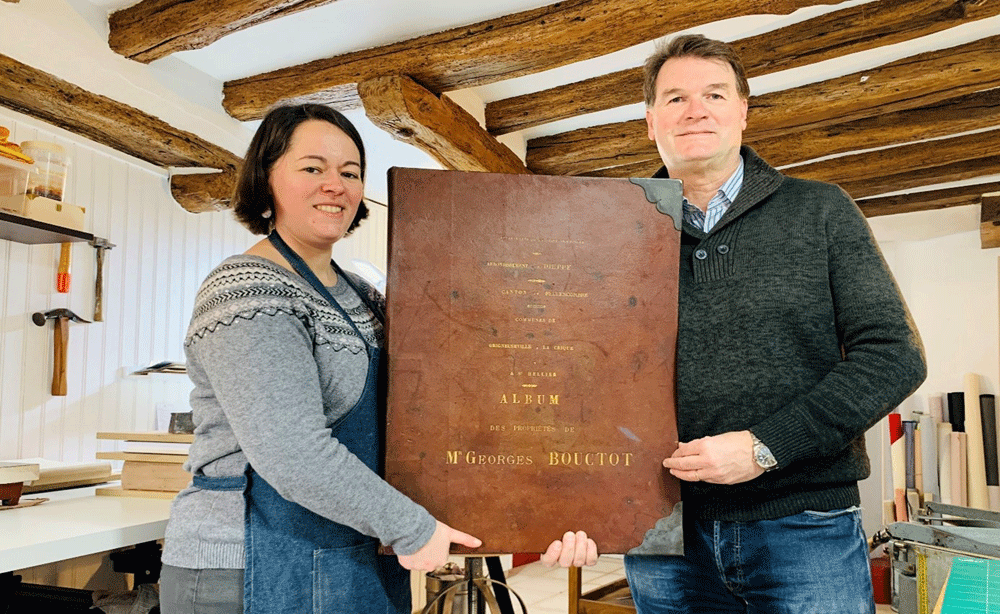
[{"x": 731, "y": 188}]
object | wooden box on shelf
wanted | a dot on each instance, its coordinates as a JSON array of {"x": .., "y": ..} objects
[
  {"x": 45, "y": 210},
  {"x": 153, "y": 463}
]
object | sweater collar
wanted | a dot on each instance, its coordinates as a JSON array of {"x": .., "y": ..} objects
[{"x": 760, "y": 180}]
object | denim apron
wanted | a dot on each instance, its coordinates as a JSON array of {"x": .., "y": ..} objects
[{"x": 298, "y": 561}]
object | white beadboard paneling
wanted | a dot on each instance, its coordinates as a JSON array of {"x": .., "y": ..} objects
[
  {"x": 162, "y": 252},
  {"x": 145, "y": 282},
  {"x": 176, "y": 316},
  {"x": 10, "y": 425},
  {"x": 368, "y": 242}
]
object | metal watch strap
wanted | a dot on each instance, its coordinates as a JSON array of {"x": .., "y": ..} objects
[{"x": 762, "y": 455}]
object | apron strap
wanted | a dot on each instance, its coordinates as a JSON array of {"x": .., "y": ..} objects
[
  {"x": 233, "y": 482},
  {"x": 306, "y": 273}
]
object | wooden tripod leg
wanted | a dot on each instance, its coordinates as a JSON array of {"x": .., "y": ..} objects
[{"x": 575, "y": 589}]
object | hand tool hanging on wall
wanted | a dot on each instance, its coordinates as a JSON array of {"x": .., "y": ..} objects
[
  {"x": 101, "y": 246},
  {"x": 62, "y": 318},
  {"x": 62, "y": 277}
]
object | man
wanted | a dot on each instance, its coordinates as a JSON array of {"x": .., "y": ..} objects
[{"x": 793, "y": 341}]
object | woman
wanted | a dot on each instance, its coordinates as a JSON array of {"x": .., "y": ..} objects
[{"x": 284, "y": 350}]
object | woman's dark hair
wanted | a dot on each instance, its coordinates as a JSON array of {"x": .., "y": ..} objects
[{"x": 252, "y": 195}]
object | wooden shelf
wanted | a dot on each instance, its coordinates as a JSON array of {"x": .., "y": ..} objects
[{"x": 26, "y": 230}]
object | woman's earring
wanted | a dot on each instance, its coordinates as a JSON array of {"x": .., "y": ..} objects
[{"x": 266, "y": 214}]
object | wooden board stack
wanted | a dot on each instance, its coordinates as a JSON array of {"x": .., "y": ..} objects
[
  {"x": 56, "y": 475},
  {"x": 153, "y": 464}
]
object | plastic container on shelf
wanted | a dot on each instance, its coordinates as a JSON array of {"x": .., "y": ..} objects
[
  {"x": 48, "y": 177},
  {"x": 36, "y": 191},
  {"x": 13, "y": 183}
]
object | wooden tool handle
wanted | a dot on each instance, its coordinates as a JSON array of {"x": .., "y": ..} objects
[
  {"x": 62, "y": 277},
  {"x": 99, "y": 287},
  {"x": 59, "y": 357}
]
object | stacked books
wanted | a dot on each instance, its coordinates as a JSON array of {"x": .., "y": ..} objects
[{"x": 153, "y": 463}]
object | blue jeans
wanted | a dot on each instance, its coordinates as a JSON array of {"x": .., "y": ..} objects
[{"x": 813, "y": 562}]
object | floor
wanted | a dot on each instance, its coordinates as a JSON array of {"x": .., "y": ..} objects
[{"x": 545, "y": 590}]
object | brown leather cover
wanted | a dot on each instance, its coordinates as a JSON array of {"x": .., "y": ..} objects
[{"x": 531, "y": 334}]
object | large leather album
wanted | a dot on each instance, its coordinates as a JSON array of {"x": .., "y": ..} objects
[{"x": 531, "y": 333}]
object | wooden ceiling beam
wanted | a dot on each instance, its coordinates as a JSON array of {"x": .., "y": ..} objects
[
  {"x": 911, "y": 82},
  {"x": 489, "y": 51},
  {"x": 435, "y": 124},
  {"x": 832, "y": 35},
  {"x": 917, "y": 81},
  {"x": 906, "y": 180},
  {"x": 203, "y": 192},
  {"x": 952, "y": 116},
  {"x": 106, "y": 121},
  {"x": 989, "y": 225},
  {"x": 608, "y": 91},
  {"x": 153, "y": 29},
  {"x": 904, "y": 159},
  {"x": 928, "y": 200},
  {"x": 583, "y": 151}
]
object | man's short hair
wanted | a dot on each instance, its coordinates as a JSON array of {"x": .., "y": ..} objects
[{"x": 691, "y": 45}]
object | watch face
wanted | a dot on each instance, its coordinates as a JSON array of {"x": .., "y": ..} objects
[{"x": 763, "y": 457}]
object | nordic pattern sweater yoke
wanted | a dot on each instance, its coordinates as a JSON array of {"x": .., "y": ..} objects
[{"x": 790, "y": 326}]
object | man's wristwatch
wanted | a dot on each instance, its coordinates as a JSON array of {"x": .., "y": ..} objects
[{"x": 762, "y": 455}]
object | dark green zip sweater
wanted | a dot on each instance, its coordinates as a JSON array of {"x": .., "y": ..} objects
[{"x": 790, "y": 326}]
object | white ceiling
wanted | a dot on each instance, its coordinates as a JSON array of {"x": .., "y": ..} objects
[{"x": 350, "y": 25}]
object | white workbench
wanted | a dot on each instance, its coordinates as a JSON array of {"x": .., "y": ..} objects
[{"x": 76, "y": 523}]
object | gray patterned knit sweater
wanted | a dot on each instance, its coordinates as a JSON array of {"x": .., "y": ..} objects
[{"x": 274, "y": 366}]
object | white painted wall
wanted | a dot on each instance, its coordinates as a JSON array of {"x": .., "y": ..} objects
[{"x": 950, "y": 286}]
